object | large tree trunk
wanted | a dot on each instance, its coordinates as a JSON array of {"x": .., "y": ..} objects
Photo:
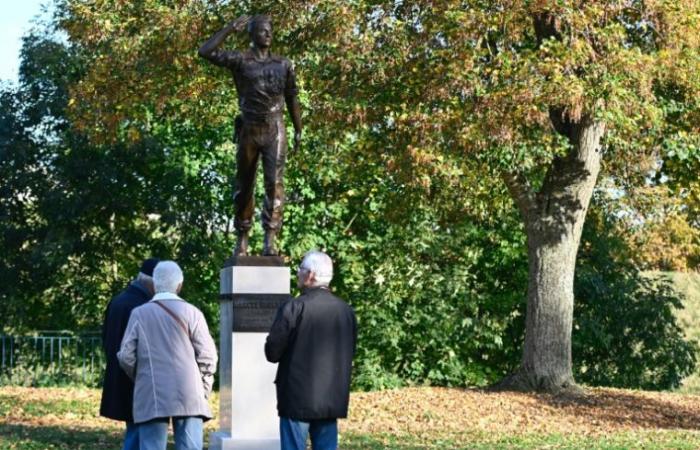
[
  {"x": 554, "y": 220},
  {"x": 546, "y": 363}
]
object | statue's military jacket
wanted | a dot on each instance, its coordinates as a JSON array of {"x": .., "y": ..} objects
[{"x": 262, "y": 85}]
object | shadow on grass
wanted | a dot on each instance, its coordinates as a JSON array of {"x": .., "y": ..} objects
[
  {"x": 31, "y": 437},
  {"x": 619, "y": 408}
]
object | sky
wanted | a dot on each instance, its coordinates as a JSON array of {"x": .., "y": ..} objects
[{"x": 15, "y": 20}]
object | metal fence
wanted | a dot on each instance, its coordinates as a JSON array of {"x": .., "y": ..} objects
[{"x": 51, "y": 359}]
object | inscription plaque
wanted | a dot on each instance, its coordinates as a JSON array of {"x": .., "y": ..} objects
[{"x": 254, "y": 313}]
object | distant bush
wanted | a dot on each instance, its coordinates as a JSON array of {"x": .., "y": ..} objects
[
  {"x": 442, "y": 308},
  {"x": 626, "y": 333}
]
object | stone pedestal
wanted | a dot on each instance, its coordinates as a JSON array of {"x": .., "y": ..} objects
[{"x": 251, "y": 290}]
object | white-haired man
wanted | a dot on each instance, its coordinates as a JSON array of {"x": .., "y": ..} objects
[
  {"x": 168, "y": 352},
  {"x": 313, "y": 339}
]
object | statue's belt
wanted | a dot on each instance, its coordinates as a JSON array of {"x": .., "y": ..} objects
[
  {"x": 257, "y": 118},
  {"x": 254, "y": 119}
]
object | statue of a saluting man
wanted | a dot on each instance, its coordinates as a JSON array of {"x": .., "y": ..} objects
[{"x": 264, "y": 82}]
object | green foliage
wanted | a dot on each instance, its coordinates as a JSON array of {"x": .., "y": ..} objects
[
  {"x": 440, "y": 307},
  {"x": 437, "y": 299},
  {"x": 28, "y": 116},
  {"x": 458, "y": 77},
  {"x": 78, "y": 218},
  {"x": 428, "y": 94},
  {"x": 626, "y": 333},
  {"x": 108, "y": 205},
  {"x": 426, "y": 244}
]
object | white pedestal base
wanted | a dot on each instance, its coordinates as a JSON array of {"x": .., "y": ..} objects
[
  {"x": 248, "y": 400},
  {"x": 223, "y": 441},
  {"x": 253, "y": 395}
]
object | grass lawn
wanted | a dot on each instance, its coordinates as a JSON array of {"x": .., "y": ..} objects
[
  {"x": 411, "y": 418},
  {"x": 419, "y": 418}
]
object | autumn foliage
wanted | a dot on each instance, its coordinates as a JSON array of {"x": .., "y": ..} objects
[{"x": 415, "y": 114}]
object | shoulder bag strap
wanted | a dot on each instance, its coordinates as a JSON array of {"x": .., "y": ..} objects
[{"x": 174, "y": 316}]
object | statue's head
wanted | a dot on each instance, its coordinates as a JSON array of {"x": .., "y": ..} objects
[{"x": 260, "y": 31}]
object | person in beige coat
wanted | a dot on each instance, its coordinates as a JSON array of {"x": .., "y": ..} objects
[{"x": 168, "y": 352}]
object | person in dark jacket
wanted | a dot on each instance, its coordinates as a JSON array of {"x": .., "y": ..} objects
[
  {"x": 313, "y": 339},
  {"x": 118, "y": 389}
]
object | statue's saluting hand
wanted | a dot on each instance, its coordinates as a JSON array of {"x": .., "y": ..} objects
[{"x": 239, "y": 24}]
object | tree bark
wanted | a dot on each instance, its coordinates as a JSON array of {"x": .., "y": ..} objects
[{"x": 554, "y": 220}]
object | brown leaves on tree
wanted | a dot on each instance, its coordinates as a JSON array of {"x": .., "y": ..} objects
[{"x": 446, "y": 77}]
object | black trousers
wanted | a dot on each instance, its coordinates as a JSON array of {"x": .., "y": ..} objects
[{"x": 266, "y": 140}]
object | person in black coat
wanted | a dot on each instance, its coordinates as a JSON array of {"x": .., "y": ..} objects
[
  {"x": 313, "y": 339},
  {"x": 118, "y": 389}
]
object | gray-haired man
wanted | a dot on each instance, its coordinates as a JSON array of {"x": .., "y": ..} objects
[{"x": 313, "y": 339}]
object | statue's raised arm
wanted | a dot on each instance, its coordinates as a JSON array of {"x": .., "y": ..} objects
[{"x": 235, "y": 26}]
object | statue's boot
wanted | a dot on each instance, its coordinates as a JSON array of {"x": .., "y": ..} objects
[
  {"x": 269, "y": 248},
  {"x": 241, "y": 248}
]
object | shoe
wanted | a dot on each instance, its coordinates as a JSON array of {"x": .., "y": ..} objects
[
  {"x": 241, "y": 248},
  {"x": 269, "y": 244}
]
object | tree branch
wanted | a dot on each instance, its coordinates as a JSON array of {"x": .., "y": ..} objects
[
  {"x": 521, "y": 191},
  {"x": 546, "y": 27}
]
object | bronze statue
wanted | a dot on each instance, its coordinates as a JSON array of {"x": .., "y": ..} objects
[{"x": 264, "y": 83}]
